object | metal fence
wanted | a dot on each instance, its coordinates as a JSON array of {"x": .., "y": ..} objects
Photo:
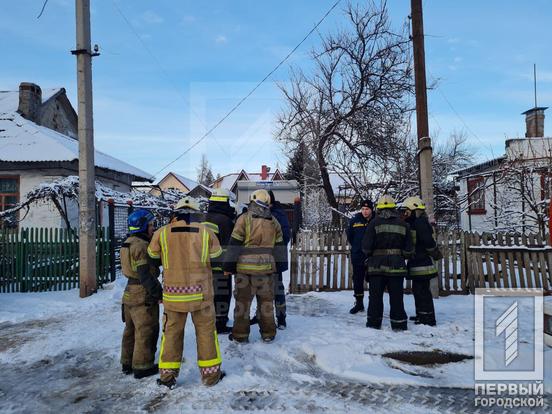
[{"x": 44, "y": 259}]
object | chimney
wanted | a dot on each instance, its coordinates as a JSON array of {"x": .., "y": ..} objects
[
  {"x": 534, "y": 121},
  {"x": 264, "y": 172},
  {"x": 30, "y": 100}
]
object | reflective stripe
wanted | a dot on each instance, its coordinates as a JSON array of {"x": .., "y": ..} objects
[
  {"x": 385, "y": 269},
  {"x": 135, "y": 263},
  {"x": 214, "y": 361},
  {"x": 166, "y": 365},
  {"x": 247, "y": 230},
  {"x": 391, "y": 228},
  {"x": 254, "y": 266},
  {"x": 413, "y": 233},
  {"x": 423, "y": 270},
  {"x": 152, "y": 254},
  {"x": 212, "y": 226},
  {"x": 164, "y": 249},
  {"x": 359, "y": 225},
  {"x": 216, "y": 253},
  {"x": 182, "y": 298},
  {"x": 205, "y": 247},
  {"x": 218, "y": 198},
  {"x": 217, "y": 269},
  {"x": 132, "y": 228},
  {"x": 237, "y": 236}
]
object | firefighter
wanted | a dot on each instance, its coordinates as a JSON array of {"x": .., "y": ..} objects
[
  {"x": 220, "y": 218},
  {"x": 387, "y": 242},
  {"x": 186, "y": 249},
  {"x": 255, "y": 247},
  {"x": 421, "y": 266},
  {"x": 355, "y": 234},
  {"x": 140, "y": 308}
]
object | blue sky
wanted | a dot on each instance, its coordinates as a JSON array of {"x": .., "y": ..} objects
[{"x": 179, "y": 66}]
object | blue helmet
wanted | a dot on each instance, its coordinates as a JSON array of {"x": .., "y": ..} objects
[{"x": 138, "y": 221}]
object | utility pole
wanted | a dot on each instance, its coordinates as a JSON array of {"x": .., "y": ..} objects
[
  {"x": 422, "y": 124},
  {"x": 87, "y": 187}
]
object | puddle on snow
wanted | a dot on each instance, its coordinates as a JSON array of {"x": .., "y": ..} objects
[{"x": 427, "y": 357}]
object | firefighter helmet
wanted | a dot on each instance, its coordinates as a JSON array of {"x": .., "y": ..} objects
[
  {"x": 386, "y": 201},
  {"x": 220, "y": 194},
  {"x": 413, "y": 203},
  {"x": 188, "y": 203},
  {"x": 138, "y": 221},
  {"x": 260, "y": 197}
]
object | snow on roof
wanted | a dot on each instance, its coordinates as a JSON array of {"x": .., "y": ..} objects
[
  {"x": 24, "y": 141},
  {"x": 9, "y": 100},
  {"x": 481, "y": 167},
  {"x": 228, "y": 180},
  {"x": 189, "y": 183}
]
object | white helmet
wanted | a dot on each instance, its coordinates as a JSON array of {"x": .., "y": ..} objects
[
  {"x": 220, "y": 194},
  {"x": 260, "y": 197},
  {"x": 188, "y": 203}
]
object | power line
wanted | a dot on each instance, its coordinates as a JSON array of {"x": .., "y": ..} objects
[
  {"x": 42, "y": 10},
  {"x": 160, "y": 66},
  {"x": 242, "y": 100}
]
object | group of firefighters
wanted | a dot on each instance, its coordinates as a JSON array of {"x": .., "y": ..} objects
[
  {"x": 386, "y": 247},
  {"x": 200, "y": 252}
]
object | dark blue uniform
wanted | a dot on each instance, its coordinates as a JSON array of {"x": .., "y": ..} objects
[
  {"x": 355, "y": 234},
  {"x": 279, "y": 290}
]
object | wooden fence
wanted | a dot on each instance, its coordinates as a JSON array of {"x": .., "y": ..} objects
[
  {"x": 320, "y": 262},
  {"x": 43, "y": 259}
]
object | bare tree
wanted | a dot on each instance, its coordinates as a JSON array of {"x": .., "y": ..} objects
[{"x": 349, "y": 111}]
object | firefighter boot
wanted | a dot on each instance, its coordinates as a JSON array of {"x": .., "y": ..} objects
[
  {"x": 143, "y": 373},
  {"x": 359, "y": 305}
]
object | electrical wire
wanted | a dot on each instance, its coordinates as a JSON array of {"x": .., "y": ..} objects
[
  {"x": 42, "y": 10},
  {"x": 251, "y": 92}
]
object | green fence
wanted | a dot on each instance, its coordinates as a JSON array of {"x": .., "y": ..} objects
[{"x": 44, "y": 259}]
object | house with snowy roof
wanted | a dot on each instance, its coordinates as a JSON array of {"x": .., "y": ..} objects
[
  {"x": 510, "y": 192},
  {"x": 39, "y": 143},
  {"x": 173, "y": 181}
]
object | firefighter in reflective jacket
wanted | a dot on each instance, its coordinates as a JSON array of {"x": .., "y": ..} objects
[
  {"x": 387, "y": 242},
  {"x": 186, "y": 249},
  {"x": 220, "y": 218},
  {"x": 255, "y": 247},
  {"x": 355, "y": 234},
  {"x": 421, "y": 266},
  {"x": 141, "y": 298}
]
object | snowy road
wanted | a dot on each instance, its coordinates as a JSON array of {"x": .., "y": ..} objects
[{"x": 62, "y": 356}]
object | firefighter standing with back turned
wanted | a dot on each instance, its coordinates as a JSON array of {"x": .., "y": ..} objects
[
  {"x": 355, "y": 234},
  {"x": 220, "y": 218},
  {"x": 141, "y": 298},
  {"x": 255, "y": 247},
  {"x": 186, "y": 249},
  {"x": 387, "y": 242},
  {"x": 421, "y": 266}
]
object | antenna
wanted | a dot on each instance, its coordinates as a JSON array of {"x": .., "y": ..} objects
[{"x": 535, "y": 82}]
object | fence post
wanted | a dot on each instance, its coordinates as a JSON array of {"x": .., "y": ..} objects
[{"x": 111, "y": 214}]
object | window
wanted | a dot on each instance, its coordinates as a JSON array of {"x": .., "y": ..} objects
[
  {"x": 476, "y": 195},
  {"x": 9, "y": 192}
]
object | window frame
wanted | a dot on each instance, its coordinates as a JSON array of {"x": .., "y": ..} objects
[
  {"x": 470, "y": 184},
  {"x": 17, "y": 194}
]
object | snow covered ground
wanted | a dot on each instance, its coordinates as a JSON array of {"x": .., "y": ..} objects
[{"x": 59, "y": 353}]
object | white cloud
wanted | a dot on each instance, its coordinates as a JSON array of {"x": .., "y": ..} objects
[
  {"x": 150, "y": 17},
  {"x": 221, "y": 40}
]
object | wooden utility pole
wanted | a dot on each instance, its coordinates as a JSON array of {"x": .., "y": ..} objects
[
  {"x": 422, "y": 124},
  {"x": 87, "y": 188}
]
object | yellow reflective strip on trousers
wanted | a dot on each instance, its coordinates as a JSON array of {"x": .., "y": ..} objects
[
  {"x": 166, "y": 365},
  {"x": 390, "y": 228},
  {"x": 423, "y": 270},
  {"x": 214, "y": 361},
  {"x": 152, "y": 254}
]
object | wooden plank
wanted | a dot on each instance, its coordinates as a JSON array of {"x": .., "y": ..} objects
[
  {"x": 343, "y": 258},
  {"x": 502, "y": 262},
  {"x": 543, "y": 278},
  {"x": 511, "y": 263},
  {"x": 446, "y": 262},
  {"x": 478, "y": 258},
  {"x": 526, "y": 264},
  {"x": 488, "y": 267},
  {"x": 496, "y": 262},
  {"x": 465, "y": 274},
  {"x": 314, "y": 264},
  {"x": 454, "y": 257},
  {"x": 322, "y": 261},
  {"x": 335, "y": 270}
]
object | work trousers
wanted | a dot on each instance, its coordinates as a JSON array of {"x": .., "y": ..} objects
[
  {"x": 223, "y": 295},
  {"x": 140, "y": 336},
  {"x": 358, "y": 280},
  {"x": 397, "y": 314},
  {"x": 247, "y": 287},
  {"x": 172, "y": 344},
  {"x": 423, "y": 300}
]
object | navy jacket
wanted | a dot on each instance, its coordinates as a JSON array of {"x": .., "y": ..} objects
[
  {"x": 281, "y": 216},
  {"x": 355, "y": 234}
]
